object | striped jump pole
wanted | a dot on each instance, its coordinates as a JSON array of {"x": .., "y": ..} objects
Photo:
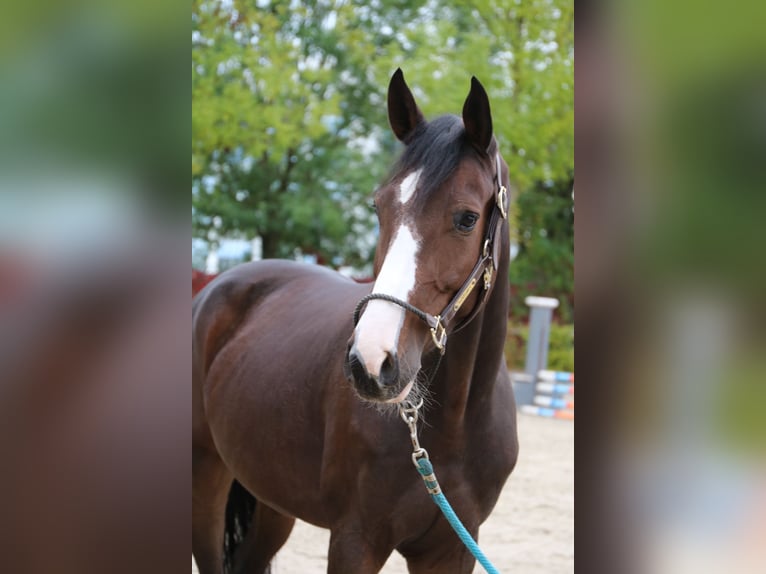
[
  {"x": 547, "y": 412},
  {"x": 554, "y": 402},
  {"x": 554, "y": 389},
  {"x": 555, "y": 376}
]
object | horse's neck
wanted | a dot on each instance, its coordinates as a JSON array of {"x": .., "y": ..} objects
[{"x": 472, "y": 359}]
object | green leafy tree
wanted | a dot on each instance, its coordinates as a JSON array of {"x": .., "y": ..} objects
[
  {"x": 281, "y": 125},
  {"x": 545, "y": 261}
]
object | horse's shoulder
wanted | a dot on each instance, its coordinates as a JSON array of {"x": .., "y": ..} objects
[
  {"x": 220, "y": 309},
  {"x": 227, "y": 302}
]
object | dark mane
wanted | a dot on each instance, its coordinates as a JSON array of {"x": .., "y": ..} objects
[{"x": 436, "y": 147}]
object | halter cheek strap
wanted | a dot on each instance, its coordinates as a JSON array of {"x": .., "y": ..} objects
[
  {"x": 486, "y": 267},
  {"x": 482, "y": 274}
]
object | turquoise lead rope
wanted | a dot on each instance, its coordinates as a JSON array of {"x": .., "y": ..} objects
[
  {"x": 421, "y": 461},
  {"x": 429, "y": 478}
]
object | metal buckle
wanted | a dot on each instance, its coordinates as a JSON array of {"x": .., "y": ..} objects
[
  {"x": 439, "y": 334},
  {"x": 409, "y": 415},
  {"x": 502, "y": 199}
]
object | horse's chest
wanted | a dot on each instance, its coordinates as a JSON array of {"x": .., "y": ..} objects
[
  {"x": 475, "y": 474},
  {"x": 479, "y": 480},
  {"x": 402, "y": 506},
  {"x": 471, "y": 483}
]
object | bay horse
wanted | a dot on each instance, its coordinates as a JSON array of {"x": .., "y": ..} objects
[{"x": 294, "y": 406}]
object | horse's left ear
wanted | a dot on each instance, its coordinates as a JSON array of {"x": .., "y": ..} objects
[{"x": 477, "y": 117}]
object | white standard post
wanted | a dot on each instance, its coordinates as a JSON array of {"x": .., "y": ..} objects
[
  {"x": 256, "y": 246},
  {"x": 211, "y": 263},
  {"x": 541, "y": 312}
]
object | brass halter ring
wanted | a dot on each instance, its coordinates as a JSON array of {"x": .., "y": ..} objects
[
  {"x": 439, "y": 334},
  {"x": 502, "y": 194},
  {"x": 502, "y": 199}
]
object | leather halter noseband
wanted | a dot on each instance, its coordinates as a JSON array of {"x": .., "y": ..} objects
[{"x": 486, "y": 266}]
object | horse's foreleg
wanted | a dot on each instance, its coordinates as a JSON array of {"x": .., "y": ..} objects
[
  {"x": 457, "y": 560},
  {"x": 211, "y": 482},
  {"x": 440, "y": 552},
  {"x": 266, "y": 536},
  {"x": 350, "y": 552}
]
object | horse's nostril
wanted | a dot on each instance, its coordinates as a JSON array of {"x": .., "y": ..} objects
[
  {"x": 389, "y": 370},
  {"x": 353, "y": 367}
]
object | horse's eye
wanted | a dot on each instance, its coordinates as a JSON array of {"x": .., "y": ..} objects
[
  {"x": 465, "y": 220},
  {"x": 374, "y": 206}
]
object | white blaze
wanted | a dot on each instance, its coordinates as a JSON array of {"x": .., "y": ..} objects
[
  {"x": 377, "y": 333},
  {"x": 408, "y": 186},
  {"x": 378, "y": 330}
]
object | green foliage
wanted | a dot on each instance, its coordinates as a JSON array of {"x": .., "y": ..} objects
[
  {"x": 280, "y": 107},
  {"x": 545, "y": 261},
  {"x": 560, "y": 347},
  {"x": 289, "y": 126}
]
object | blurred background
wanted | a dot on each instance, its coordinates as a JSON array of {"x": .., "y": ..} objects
[
  {"x": 94, "y": 359},
  {"x": 670, "y": 274}
]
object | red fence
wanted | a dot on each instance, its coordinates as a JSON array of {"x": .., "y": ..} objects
[{"x": 199, "y": 280}]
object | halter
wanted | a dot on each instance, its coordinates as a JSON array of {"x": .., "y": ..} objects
[{"x": 486, "y": 266}]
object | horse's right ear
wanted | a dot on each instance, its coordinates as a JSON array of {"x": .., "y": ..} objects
[{"x": 403, "y": 113}]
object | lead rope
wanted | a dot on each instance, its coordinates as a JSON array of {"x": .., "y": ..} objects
[{"x": 409, "y": 414}]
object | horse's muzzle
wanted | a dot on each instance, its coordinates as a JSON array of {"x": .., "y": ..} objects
[{"x": 383, "y": 387}]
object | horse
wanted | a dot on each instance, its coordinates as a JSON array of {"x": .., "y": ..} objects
[{"x": 298, "y": 372}]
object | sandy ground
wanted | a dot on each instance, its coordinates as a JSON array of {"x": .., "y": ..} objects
[{"x": 530, "y": 531}]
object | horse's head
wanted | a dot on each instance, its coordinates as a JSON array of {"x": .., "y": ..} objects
[{"x": 434, "y": 212}]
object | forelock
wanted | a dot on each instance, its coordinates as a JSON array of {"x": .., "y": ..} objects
[{"x": 436, "y": 148}]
